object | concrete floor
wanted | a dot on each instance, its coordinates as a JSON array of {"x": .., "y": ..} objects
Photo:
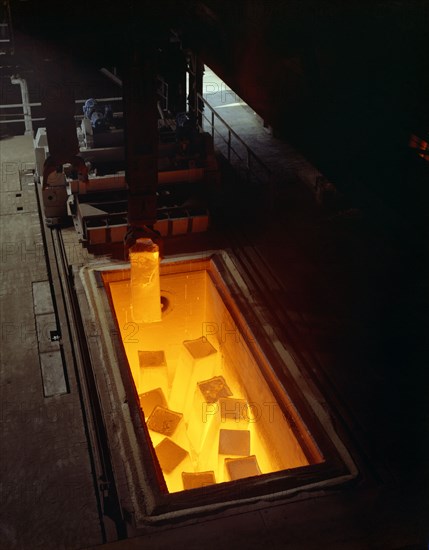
[
  {"x": 47, "y": 494},
  {"x": 350, "y": 296}
]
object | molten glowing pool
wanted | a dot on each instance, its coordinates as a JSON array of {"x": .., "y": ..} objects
[{"x": 207, "y": 400}]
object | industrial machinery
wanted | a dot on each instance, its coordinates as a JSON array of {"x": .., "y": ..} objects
[{"x": 92, "y": 186}]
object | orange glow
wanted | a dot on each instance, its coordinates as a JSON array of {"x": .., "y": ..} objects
[
  {"x": 210, "y": 412},
  {"x": 145, "y": 293},
  {"x": 420, "y": 144}
]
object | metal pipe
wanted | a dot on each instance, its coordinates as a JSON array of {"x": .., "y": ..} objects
[
  {"x": 12, "y": 105},
  {"x": 25, "y": 103},
  {"x": 112, "y": 76},
  {"x": 19, "y": 120}
]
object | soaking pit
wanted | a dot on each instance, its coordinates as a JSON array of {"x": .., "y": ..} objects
[{"x": 207, "y": 404}]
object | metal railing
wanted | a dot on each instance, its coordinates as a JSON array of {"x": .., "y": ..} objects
[
  {"x": 163, "y": 93},
  {"x": 236, "y": 151},
  {"x": 38, "y": 104}
]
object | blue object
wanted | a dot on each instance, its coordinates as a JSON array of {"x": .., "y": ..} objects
[
  {"x": 99, "y": 116},
  {"x": 89, "y": 107}
]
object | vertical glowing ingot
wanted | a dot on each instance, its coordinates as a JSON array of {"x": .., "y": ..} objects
[
  {"x": 153, "y": 371},
  {"x": 145, "y": 286},
  {"x": 197, "y": 361}
]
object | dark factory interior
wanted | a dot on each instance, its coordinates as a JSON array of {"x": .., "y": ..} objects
[{"x": 214, "y": 260}]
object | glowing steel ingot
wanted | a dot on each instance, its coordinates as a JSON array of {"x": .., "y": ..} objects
[
  {"x": 194, "y": 480},
  {"x": 153, "y": 371},
  {"x": 207, "y": 415},
  {"x": 198, "y": 360},
  {"x": 233, "y": 410},
  {"x": 239, "y": 468},
  {"x": 169, "y": 455},
  {"x": 199, "y": 348},
  {"x": 151, "y": 399},
  {"x": 234, "y": 442},
  {"x": 145, "y": 285},
  {"x": 152, "y": 359},
  {"x": 164, "y": 421},
  {"x": 214, "y": 388}
]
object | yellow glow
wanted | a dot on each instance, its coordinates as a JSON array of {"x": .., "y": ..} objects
[
  {"x": 200, "y": 387},
  {"x": 145, "y": 290}
]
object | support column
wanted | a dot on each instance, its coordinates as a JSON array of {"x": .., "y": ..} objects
[
  {"x": 141, "y": 138},
  {"x": 58, "y": 104},
  {"x": 25, "y": 103},
  {"x": 174, "y": 72},
  {"x": 196, "y": 73}
]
